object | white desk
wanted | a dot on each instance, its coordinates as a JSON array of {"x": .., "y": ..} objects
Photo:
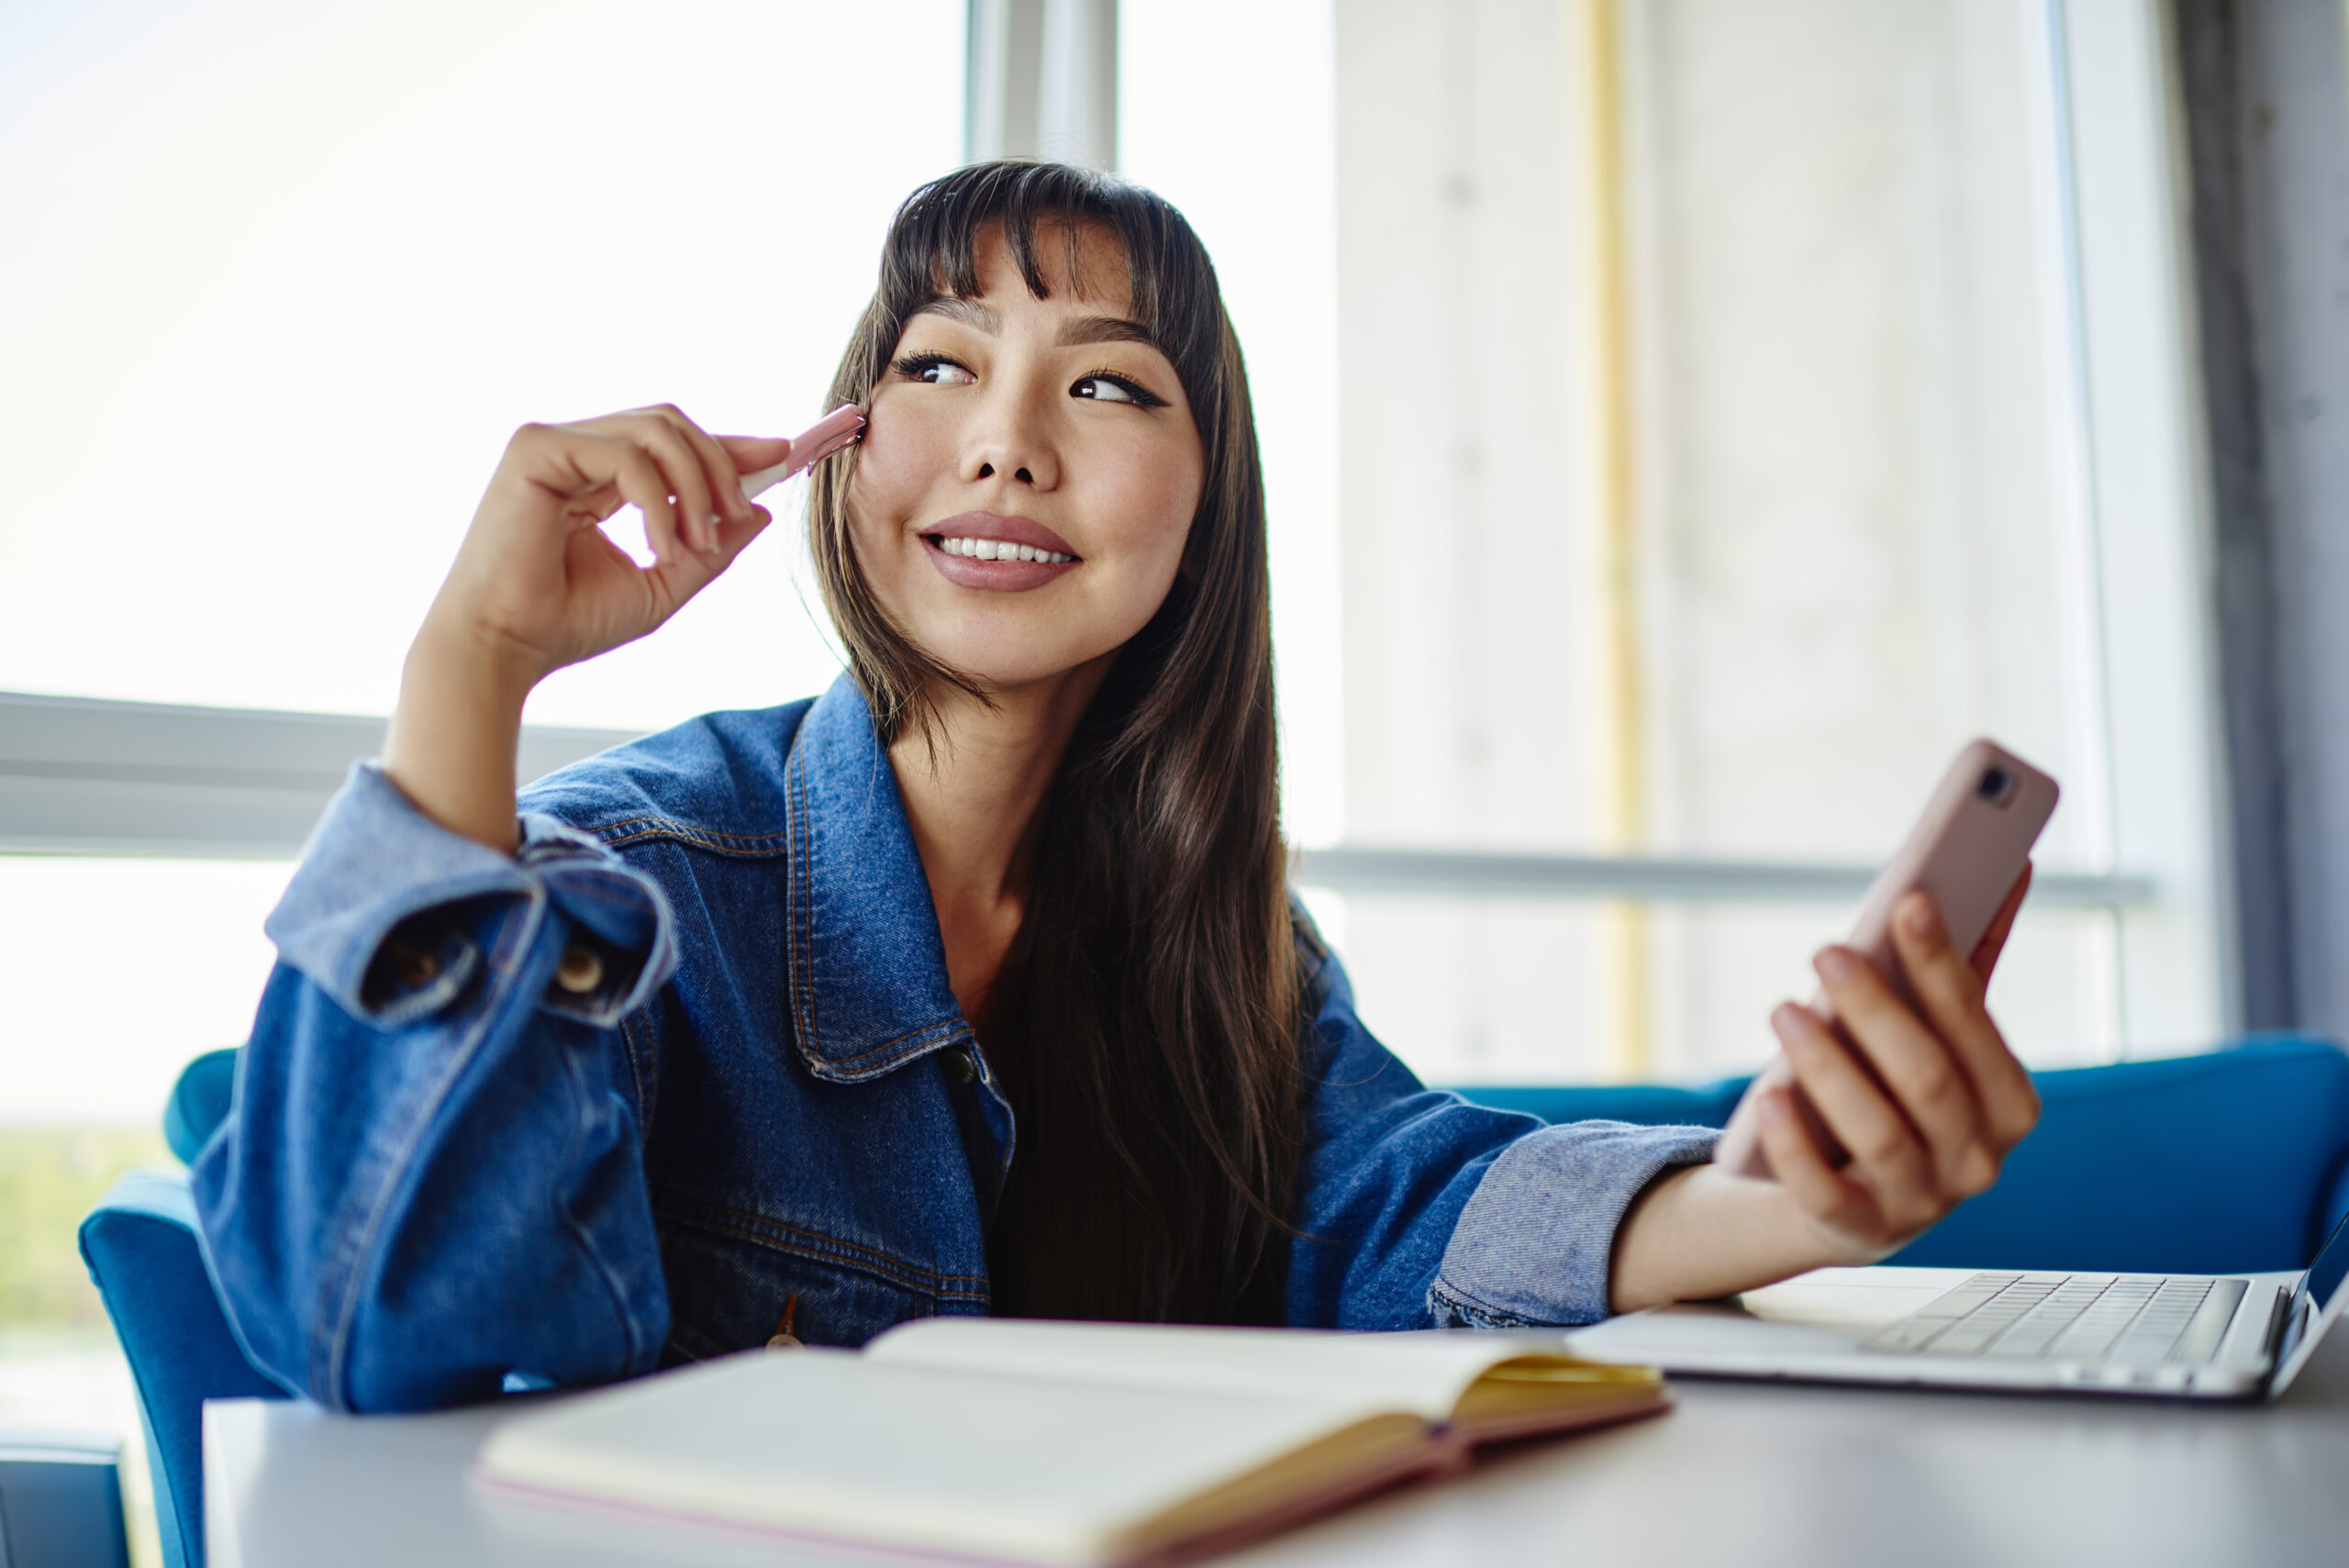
[{"x": 1739, "y": 1474}]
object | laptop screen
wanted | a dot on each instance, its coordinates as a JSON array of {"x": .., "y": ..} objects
[
  {"x": 2314, "y": 1304},
  {"x": 2331, "y": 1267}
]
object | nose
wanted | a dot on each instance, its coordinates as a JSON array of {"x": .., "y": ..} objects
[{"x": 1010, "y": 438}]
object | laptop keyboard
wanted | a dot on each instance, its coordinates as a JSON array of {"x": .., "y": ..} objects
[{"x": 2133, "y": 1320}]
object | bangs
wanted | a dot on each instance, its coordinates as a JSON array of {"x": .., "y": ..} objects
[{"x": 932, "y": 251}]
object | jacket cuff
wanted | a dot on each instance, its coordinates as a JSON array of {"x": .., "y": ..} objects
[
  {"x": 374, "y": 863},
  {"x": 1536, "y": 1241}
]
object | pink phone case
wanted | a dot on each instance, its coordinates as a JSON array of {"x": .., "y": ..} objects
[{"x": 1966, "y": 850}]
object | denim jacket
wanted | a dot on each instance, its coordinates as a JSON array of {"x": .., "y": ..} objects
[{"x": 685, "y": 1072}]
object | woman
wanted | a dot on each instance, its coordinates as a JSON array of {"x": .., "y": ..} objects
[{"x": 972, "y": 986}]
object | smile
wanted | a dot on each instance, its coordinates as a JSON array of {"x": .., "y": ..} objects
[
  {"x": 999, "y": 550},
  {"x": 981, "y": 549}
]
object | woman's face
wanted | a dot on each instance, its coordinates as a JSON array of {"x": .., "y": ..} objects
[{"x": 1028, "y": 470}]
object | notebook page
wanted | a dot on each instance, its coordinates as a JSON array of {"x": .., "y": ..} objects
[
  {"x": 1424, "y": 1373},
  {"x": 828, "y": 1443}
]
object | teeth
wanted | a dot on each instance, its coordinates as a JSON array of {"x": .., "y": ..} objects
[{"x": 1000, "y": 550}]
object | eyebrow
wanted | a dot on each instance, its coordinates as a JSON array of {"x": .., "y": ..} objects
[
  {"x": 1073, "y": 334},
  {"x": 969, "y": 312},
  {"x": 1105, "y": 330}
]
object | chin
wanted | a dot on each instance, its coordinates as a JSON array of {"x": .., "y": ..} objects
[
  {"x": 1006, "y": 652},
  {"x": 1001, "y": 670}
]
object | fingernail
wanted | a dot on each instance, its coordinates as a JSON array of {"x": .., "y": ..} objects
[
  {"x": 1835, "y": 965},
  {"x": 1917, "y": 916}
]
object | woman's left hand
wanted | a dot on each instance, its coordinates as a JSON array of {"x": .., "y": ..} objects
[
  {"x": 1926, "y": 1101},
  {"x": 1920, "y": 1106}
]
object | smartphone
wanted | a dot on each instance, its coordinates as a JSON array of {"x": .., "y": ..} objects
[{"x": 1966, "y": 850}]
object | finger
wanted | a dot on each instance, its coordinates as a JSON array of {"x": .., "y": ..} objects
[
  {"x": 697, "y": 502},
  {"x": 1985, "y": 957},
  {"x": 1835, "y": 1202},
  {"x": 675, "y": 582},
  {"x": 1913, "y": 1055},
  {"x": 1884, "y": 1150},
  {"x": 717, "y": 465},
  {"x": 593, "y": 506},
  {"x": 1951, "y": 994},
  {"x": 571, "y": 465},
  {"x": 637, "y": 480},
  {"x": 735, "y": 537}
]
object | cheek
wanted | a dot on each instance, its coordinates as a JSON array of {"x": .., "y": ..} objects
[
  {"x": 901, "y": 457},
  {"x": 1153, "y": 497}
]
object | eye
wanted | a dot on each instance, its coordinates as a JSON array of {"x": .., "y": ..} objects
[
  {"x": 936, "y": 370},
  {"x": 1103, "y": 386}
]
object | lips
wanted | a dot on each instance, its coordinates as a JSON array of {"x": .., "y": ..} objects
[
  {"x": 1013, "y": 530},
  {"x": 1000, "y": 575}
]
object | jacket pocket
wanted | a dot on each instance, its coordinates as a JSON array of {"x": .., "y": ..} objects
[{"x": 736, "y": 1280}]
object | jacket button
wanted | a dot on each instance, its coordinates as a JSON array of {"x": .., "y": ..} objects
[
  {"x": 581, "y": 970},
  {"x": 958, "y": 1062},
  {"x": 417, "y": 968}
]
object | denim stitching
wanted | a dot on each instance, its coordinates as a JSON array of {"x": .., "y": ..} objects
[
  {"x": 1465, "y": 1305},
  {"x": 579, "y": 1234},
  {"x": 800, "y": 856},
  {"x": 955, "y": 1028},
  {"x": 670, "y": 824},
  {"x": 683, "y": 835},
  {"x": 686, "y": 1208},
  {"x": 640, "y": 1071},
  {"x": 802, "y": 977},
  {"x": 716, "y": 1220}
]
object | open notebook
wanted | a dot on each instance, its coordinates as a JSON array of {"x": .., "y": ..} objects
[{"x": 1078, "y": 1443}]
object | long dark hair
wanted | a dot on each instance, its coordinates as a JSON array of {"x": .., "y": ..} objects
[{"x": 1147, "y": 1022}]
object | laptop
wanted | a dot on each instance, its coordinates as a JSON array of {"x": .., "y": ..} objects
[{"x": 2232, "y": 1337}]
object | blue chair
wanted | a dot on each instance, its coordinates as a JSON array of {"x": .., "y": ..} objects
[
  {"x": 2226, "y": 1163},
  {"x": 2234, "y": 1161},
  {"x": 140, "y": 1246}
]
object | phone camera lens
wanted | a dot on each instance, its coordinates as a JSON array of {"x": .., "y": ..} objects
[{"x": 1997, "y": 786}]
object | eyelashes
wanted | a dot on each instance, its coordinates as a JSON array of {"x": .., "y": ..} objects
[
  {"x": 928, "y": 368},
  {"x": 1134, "y": 391},
  {"x": 918, "y": 367}
]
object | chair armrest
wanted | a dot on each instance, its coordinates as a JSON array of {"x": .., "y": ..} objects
[{"x": 143, "y": 1252}]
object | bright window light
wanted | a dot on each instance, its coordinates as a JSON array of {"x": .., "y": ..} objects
[
  {"x": 120, "y": 972},
  {"x": 1257, "y": 178},
  {"x": 288, "y": 275}
]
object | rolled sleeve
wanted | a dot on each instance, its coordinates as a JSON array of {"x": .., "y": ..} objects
[
  {"x": 356, "y": 920},
  {"x": 1536, "y": 1240}
]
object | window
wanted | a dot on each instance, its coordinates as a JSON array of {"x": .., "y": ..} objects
[
  {"x": 1738, "y": 408},
  {"x": 304, "y": 269},
  {"x": 1683, "y": 424},
  {"x": 280, "y": 281},
  {"x": 1257, "y": 178}
]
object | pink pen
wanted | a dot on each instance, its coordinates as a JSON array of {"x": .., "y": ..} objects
[{"x": 836, "y": 431}]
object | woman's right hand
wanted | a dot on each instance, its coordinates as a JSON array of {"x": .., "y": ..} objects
[{"x": 537, "y": 585}]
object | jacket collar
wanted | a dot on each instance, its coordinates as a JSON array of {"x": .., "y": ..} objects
[{"x": 866, "y": 962}]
